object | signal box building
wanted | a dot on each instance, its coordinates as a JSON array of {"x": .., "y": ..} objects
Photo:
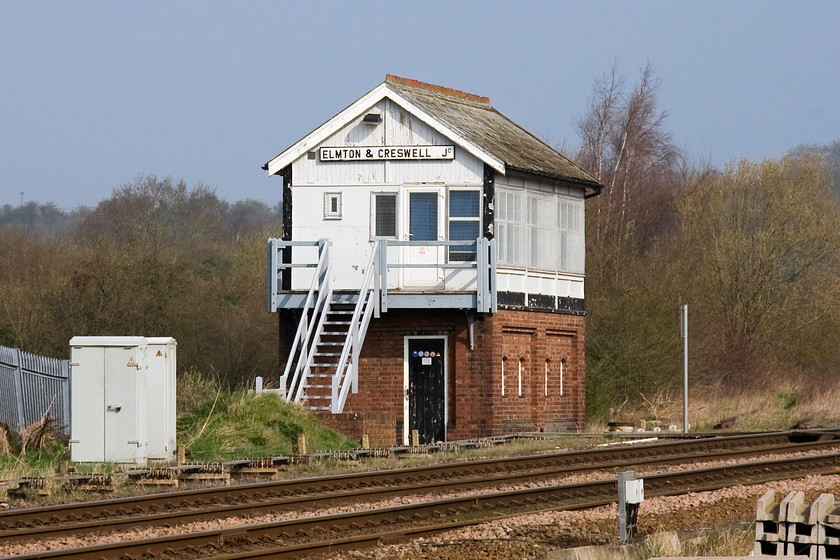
[{"x": 431, "y": 271}]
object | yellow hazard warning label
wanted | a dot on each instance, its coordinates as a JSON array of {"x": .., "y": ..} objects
[
  {"x": 159, "y": 354},
  {"x": 131, "y": 361}
]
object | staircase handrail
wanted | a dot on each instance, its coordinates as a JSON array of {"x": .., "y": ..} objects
[
  {"x": 347, "y": 371},
  {"x": 303, "y": 334}
]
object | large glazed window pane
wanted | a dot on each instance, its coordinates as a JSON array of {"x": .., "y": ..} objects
[
  {"x": 464, "y": 204},
  {"x": 468, "y": 231},
  {"x": 423, "y": 216}
]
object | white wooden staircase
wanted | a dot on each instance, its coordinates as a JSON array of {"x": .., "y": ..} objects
[{"x": 323, "y": 363}]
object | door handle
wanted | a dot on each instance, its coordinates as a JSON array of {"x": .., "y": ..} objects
[{"x": 114, "y": 408}]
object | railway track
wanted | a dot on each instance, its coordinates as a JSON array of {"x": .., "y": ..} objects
[{"x": 180, "y": 507}]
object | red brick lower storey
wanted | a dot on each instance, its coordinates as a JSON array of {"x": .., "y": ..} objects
[{"x": 523, "y": 371}]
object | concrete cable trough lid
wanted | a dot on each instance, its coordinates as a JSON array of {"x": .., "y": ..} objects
[{"x": 795, "y": 528}]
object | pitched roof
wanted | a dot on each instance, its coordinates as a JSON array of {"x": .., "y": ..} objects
[
  {"x": 478, "y": 121},
  {"x": 468, "y": 119}
]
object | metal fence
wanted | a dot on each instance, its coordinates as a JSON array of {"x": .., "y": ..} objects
[{"x": 32, "y": 386}]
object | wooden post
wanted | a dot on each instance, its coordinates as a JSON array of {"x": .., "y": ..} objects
[
  {"x": 301, "y": 444},
  {"x": 365, "y": 441},
  {"x": 182, "y": 455},
  {"x": 415, "y": 438}
]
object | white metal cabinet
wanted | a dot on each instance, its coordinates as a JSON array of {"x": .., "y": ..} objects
[
  {"x": 160, "y": 386},
  {"x": 122, "y": 399}
]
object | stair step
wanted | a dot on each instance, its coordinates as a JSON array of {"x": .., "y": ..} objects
[
  {"x": 318, "y": 408},
  {"x": 320, "y": 375},
  {"x": 338, "y": 322},
  {"x": 327, "y": 354},
  {"x": 318, "y": 396},
  {"x": 332, "y": 364},
  {"x": 330, "y": 344}
]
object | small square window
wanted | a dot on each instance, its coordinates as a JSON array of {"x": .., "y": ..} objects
[{"x": 332, "y": 206}]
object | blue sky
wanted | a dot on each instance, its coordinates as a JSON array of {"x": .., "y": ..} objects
[{"x": 95, "y": 94}]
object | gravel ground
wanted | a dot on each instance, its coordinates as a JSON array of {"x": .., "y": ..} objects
[
  {"x": 529, "y": 536},
  {"x": 533, "y": 536}
]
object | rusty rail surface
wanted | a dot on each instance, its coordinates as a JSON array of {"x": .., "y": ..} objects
[
  {"x": 179, "y": 507},
  {"x": 307, "y": 535},
  {"x": 191, "y": 505}
]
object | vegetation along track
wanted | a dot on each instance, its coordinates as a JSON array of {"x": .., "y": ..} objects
[{"x": 179, "y": 507}]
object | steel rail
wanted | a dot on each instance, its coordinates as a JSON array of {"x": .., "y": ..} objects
[
  {"x": 181, "y": 507},
  {"x": 465, "y": 509}
]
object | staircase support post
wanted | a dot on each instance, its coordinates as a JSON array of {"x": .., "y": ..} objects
[{"x": 357, "y": 350}]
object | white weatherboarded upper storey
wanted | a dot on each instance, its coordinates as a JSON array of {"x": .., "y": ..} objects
[
  {"x": 466, "y": 119},
  {"x": 409, "y": 163}
]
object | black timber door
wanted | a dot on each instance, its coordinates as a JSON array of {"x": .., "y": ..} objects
[{"x": 426, "y": 388}]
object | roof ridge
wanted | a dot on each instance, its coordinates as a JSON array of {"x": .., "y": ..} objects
[{"x": 390, "y": 78}]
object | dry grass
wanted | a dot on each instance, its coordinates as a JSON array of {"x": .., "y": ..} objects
[
  {"x": 736, "y": 541},
  {"x": 778, "y": 405},
  {"x": 35, "y": 435},
  {"x": 714, "y": 542},
  {"x": 5, "y": 447}
]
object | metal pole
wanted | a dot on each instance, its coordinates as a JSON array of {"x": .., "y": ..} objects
[
  {"x": 684, "y": 329},
  {"x": 623, "y": 517}
]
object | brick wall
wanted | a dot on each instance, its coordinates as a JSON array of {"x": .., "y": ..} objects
[{"x": 530, "y": 347}]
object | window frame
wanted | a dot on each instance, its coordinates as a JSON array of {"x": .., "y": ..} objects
[
  {"x": 462, "y": 219},
  {"x": 373, "y": 205},
  {"x": 329, "y": 214}
]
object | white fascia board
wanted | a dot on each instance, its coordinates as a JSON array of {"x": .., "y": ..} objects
[
  {"x": 314, "y": 138},
  {"x": 317, "y": 136}
]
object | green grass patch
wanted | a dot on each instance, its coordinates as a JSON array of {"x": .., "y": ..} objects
[
  {"x": 240, "y": 424},
  {"x": 36, "y": 462}
]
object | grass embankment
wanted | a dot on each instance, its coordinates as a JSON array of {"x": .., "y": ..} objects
[
  {"x": 215, "y": 424},
  {"x": 248, "y": 425}
]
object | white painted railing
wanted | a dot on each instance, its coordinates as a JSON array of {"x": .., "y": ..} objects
[
  {"x": 312, "y": 314},
  {"x": 372, "y": 299},
  {"x": 367, "y": 307}
]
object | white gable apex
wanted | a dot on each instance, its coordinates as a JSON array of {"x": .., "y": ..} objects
[{"x": 356, "y": 110}]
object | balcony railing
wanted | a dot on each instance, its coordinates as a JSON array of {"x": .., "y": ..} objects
[{"x": 410, "y": 274}]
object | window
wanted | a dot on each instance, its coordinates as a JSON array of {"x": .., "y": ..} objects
[
  {"x": 332, "y": 206},
  {"x": 510, "y": 225},
  {"x": 570, "y": 225},
  {"x": 537, "y": 230},
  {"x": 464, "y": 223},
  {"x": 384, "y": 215},
  {"x": 423, "y": 216}
]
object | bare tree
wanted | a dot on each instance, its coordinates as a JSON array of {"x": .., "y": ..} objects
[{"x": 625, "y": 144}]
